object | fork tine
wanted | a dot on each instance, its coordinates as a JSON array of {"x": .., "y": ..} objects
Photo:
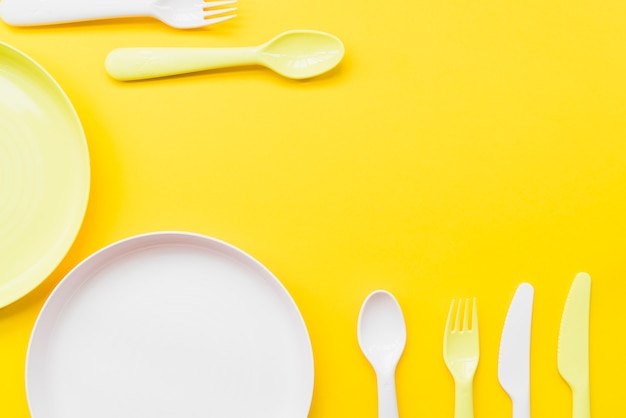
[
  {"x": 474, "y": 316},
  {"x": 457, "y": 321},
  {"x": 450, "y": 315},
  {"x": 208, "y": 13},
  {"x": 218, "y": 3},
  {"x": 465, "y": 315},
  {"x": 214, "y": 20}
]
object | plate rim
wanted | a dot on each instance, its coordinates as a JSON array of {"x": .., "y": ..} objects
[
  {"x": 94, "y": 259},
  {"x": 15, "y": 289}
]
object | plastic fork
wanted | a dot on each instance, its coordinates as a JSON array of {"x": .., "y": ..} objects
[
  {"x": 181, "y": 14},
  {"x": 461, "y": 353}
]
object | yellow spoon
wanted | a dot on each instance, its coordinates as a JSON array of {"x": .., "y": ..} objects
[{"x": 294, "y": 54}]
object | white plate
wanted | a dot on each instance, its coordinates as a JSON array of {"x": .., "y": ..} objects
[{"x": 172, "y": 325}]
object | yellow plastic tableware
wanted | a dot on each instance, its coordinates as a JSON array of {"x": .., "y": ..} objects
[
  {"x": 573, "y": 351},
  {"x": 44, "y": 174},
  {"x": 461, "y": 353},
  {"x": 294, "y": 54}
]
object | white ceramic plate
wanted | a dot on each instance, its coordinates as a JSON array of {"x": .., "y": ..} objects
[
  {"x": 169, "y": 325},
  {"x": 44, "y": 174}
]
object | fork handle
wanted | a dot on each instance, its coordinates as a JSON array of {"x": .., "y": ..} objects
[
  {"x": 30, "y": 13},
  {"x": 141, "y": 63},
  {"x": 464, "y": 400}
]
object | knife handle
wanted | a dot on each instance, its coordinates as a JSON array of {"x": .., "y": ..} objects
[
  {"x": 581, "y": 406},
  {"x": 464, "y": 400},
  {"x": 521, "y": 409}
]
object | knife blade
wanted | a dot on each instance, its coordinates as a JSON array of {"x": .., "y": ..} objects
[
  {"x": 514, "y": 357},
  {"x": 573, "y": 350}
]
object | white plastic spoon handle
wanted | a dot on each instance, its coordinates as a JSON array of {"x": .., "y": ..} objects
[
  {"x": 141, "y": 63},
  {"x": 387, "y": 400},
  {"x": 22, "y": 13}
]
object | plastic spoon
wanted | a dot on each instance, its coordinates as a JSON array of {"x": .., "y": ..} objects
[
  {"x": 382, "y": 337},
  {"x": 294, "y": 54}
]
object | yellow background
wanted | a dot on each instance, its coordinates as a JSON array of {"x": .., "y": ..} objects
[{"x": 461, "y": 147}]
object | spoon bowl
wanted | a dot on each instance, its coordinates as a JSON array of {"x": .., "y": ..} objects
[
  {"x": 382, "y": 337},
  {"x": 301, "y": 53},
  {"x": 296, "y": 54}
]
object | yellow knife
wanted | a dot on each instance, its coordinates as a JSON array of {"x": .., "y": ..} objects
[{"x": 573, "y": 353}]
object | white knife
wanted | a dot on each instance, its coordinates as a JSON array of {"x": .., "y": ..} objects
[{"x": 514, "y": 359}]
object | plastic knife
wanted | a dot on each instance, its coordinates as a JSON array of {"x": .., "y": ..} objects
[
  {"x": 573, "y": 353},
  {"x": 514, "y": 358}
]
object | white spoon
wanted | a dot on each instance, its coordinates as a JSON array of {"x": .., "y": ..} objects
[{"x": 382, "y": 337}]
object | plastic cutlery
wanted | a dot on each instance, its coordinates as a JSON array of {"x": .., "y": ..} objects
[
  {"x": 294, "y": 54},
  {"x": 573, "y": 352},
  {"x": 461, "y": 353},
  {"x": 181, "y": 14},
  {"x": 382, "y": 337},
  {"x": 514, "y": 359}
]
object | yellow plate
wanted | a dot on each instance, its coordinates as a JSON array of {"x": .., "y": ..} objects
[{"x": 44, "y": 174}]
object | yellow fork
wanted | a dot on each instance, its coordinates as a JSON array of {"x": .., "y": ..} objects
[{"x": 461, "y": 353}]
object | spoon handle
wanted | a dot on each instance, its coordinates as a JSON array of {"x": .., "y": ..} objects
[
  {"x": 141, "y": 63},
  {"x": 387, "y": 400}
]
